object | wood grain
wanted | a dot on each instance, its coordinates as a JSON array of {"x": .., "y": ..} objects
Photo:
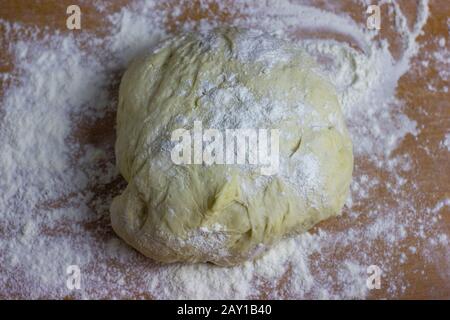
[{"x": 427, "y": 183}]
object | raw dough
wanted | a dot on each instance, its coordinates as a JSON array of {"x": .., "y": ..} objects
[{"x": 226, "y": 214}]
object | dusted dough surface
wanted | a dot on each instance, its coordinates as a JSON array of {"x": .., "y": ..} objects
[{"x": 226, "y": 214}]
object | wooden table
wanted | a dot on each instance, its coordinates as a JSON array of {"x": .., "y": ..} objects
[{"x": 427, "y": 183}]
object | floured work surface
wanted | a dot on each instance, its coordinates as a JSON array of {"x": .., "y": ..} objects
[{"x": 59, "y": 95}]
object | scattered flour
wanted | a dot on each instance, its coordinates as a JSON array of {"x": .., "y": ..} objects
[
  {"x": 446, "y": 142},
  {"x": 58, "y": 174}
]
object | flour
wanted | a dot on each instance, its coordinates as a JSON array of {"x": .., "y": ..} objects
[
  {"x": 255, "y": 46},
  {"x": 445, "y": 143},
  {"x": 58, "y": 178}
]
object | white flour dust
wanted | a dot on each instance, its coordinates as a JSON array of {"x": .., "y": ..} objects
[{"x": 58, "y": 173}]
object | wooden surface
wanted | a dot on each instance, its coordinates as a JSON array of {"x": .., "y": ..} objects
[{"x": 428, "y": 182}]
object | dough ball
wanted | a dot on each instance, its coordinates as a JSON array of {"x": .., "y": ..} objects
[{"x": 227, "y": 79}]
